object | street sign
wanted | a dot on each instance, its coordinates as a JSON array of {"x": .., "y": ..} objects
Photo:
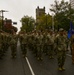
[{"x": 14, "y": 22}]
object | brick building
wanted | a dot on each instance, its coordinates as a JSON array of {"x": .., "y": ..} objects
[{"x": 8, "y": 22}]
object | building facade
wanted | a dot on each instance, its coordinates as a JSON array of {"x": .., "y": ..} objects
[
  {"x": 39, "y": 12},
  {"x": 8, "y": 23}
]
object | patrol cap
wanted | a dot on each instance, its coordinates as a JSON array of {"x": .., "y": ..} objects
[{"x": 61, "y": 29}]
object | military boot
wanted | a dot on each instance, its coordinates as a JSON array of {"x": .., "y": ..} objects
[
  {"x": 63, "y": 68},
  {"x": 60, "y": 69}
]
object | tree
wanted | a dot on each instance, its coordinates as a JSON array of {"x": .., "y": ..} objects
[
  {"x": 63, "y": 14},
  {"x": 0, "y": 23},
  {"x": 27, "y": 23},
  {"x": 45, "y": 22}
]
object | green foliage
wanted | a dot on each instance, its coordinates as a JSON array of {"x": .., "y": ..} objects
[
  {"x": 27, "y": 23},
  {"x": 45, "y": 22},
  {"x": 63, "y": 14}
]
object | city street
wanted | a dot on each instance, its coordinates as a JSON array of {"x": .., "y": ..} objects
[
  {"x": 31, "y": 66},
  {"x": 44, "y": 29}
]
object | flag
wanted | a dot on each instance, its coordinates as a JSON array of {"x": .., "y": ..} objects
[
  {"x": 70, "y": 32},
  {"x": 71, "y": 26}
]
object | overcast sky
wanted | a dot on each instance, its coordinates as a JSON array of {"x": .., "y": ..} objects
[{"x": 18, "y": 8}]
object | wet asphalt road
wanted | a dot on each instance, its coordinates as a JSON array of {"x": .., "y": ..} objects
[{"x": 20, "y": 66}]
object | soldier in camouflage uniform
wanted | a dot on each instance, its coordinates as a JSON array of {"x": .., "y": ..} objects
[
  {"x": 55, "y": 44},
  {"x": 61, "y": 49},
  {"x": 20, "y": 38},
  {"x": 45, "y": 43},
  {"x": 13, "y": 45},
  {"x": 8, "y": 39},
  {"x": 35, "y": 43},
  {"x": 24, "y": 44},
  {"x": 1, "y": 51},
  {"x": 50, "y": 42},
  {"x": 72, "y": 46},
  {"x": 4, "y": 42},
  {"x": 39, "y": 46},
  {"x": 30, "y": 41}
]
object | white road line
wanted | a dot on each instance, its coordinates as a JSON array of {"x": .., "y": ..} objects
[
  {"x": 30, "y": 66},
  {"x": 32, "y": 72},
  {"x": 69, "y": 55}
]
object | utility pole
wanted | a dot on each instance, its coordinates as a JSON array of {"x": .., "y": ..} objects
[{"x": 2, "y": 11}]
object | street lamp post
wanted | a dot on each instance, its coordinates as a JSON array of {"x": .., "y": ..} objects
[{"x": 2, "y": 11}]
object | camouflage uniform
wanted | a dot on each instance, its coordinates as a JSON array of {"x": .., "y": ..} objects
[
  {"x": 39, "y": 46},
  {"x": 8, "y": 39},
  {"x": 45, "y": 44},
  {"x": 30, "y": 44},
  {"x": 61, "y": 49},
  {"x": 50, "y": 40},
  {"x": 1, "y": 51},
  {"x": 13, "y": 46},
  {"x": 72, "y": 45},
  {"x": 35, "y": 43},
  {"x": 24, "y": 44},
  {"x": 55, "y": 44},
  {"x": 4, "y": 41}
]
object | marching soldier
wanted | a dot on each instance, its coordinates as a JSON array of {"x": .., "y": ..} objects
[
  {"x": 4, "y": 42},
  {"x": 34, "y": 40},
  {"x": 13, "y": 46},
  {"x": 24, "y": 44},
  {"x": 72, "y": 46},
  {"x": 55, "y": 44},
  {"x": 61, "y": 49},
  {"x": 39, "y": 46},
  {"x": 30, "y": 41},
  {"x": 50, "y": 44},
  {"x": 45, "y": 43},
  {"x": 1, "y": 51}
]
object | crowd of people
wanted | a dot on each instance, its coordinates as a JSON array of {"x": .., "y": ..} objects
[
  {"x": 39, "y": 42},
  {"x": 7, "y": 40}
]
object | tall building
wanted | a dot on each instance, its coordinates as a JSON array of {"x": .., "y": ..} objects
[
  {"x": 72, "y": 4},
  {"x": 39, "y": 12}
]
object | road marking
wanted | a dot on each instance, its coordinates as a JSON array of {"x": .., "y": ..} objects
[
  {"x": 30, "y": 66},
  {"x": 69, "y": 55}
]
